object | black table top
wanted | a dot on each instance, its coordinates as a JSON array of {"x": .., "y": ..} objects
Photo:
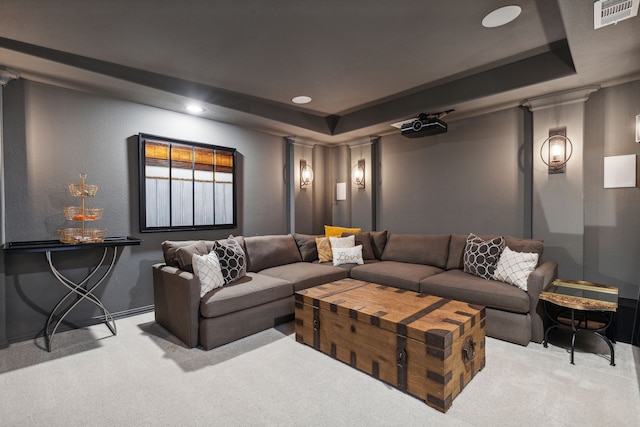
[{"x": 57, "y": 245}]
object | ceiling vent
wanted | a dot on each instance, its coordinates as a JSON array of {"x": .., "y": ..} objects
[{"x": 606, "y": 12}]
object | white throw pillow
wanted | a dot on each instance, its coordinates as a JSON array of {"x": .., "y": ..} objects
[
  {"x": 347, "y": 255},
  {"x": 207, "y": 269},
  {"x": 343, "y": 242},
  {"x": 514, "y": 267}
]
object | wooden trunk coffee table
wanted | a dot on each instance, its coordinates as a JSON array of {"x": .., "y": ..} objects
[{"x": 427, "y": 346}]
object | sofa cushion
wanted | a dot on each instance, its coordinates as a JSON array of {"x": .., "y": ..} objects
[
  {"x": 456, "y": 251},
  {"x": 323, "y": 246},
  {"x": 363, "y": 239},
  {"x": 525, "y": 245},
  {"x": 378, "y": 242},
  {"x": 305, "y": 275},
  {"x": 459, "y": 241},
  {"x": 427, "y": 249},
  {"x": 184, "y": 254},
  {"x": 349, "y": 267},
  {"x": 170, "y": 247},
  {"x": 393, "y": 273},
  {"x": 514, "y": 267},
  {"x": 342, "y": 242},
  {"x": 334, "y": 231},
  {"x": 207, "y": 269},
  {"x": 307, "y": 246},
  {"x": 249, "y": 291},
  {"x": 270, "y": 251},
  {"x": 233, "y": 263},
  {"x": 456, "y": 284},
  {"x": 352, "y": 255},
  {"x": 481, "y": 256}
]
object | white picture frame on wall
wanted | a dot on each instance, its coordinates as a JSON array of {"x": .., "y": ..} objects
[
  {"x": 341, "y": 191},
  {"x": 620, "y": 171}
]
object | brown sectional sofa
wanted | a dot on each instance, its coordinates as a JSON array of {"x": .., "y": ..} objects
[{"x": 279, "y": 265}]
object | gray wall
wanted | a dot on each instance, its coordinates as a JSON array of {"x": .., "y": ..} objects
[
  {"x": 51, "y": 135},
  {"x": 611, "y": 215},
  {"x": 483, "y": 176},
  {"x": 474, "y": 178}
]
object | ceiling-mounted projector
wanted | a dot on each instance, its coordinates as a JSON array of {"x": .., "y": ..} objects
[{"x": 425, "y": 124}]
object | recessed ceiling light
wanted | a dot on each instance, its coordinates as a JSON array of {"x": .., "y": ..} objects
[
  {"x": 302, "y": 99},
  {"x": 194, "y": 108},
  {"x": 501, "y": 16}
]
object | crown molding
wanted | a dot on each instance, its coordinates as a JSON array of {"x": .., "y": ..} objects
[{"x": 573, "y": 96}]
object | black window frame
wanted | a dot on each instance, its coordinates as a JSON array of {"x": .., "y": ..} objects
[{"x": 143, "y": 138}]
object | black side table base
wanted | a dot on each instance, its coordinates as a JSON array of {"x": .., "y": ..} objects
[
  {"x": 82, "y": 293},
  {"x": 575, "y": 328}
]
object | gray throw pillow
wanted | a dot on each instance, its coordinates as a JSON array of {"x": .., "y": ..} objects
[
  {"x": 185, "y": 255},
  {"x": 481, "y": 256},
  {"x": 307, "y": 246},
  {"x": 233, "y": 262},
  {"x": 363, "y": 239},
  {"x": 378, "y": 242}
]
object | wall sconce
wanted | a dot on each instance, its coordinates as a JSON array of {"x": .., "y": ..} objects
[
  {"x": 358, "y": 174},
  {"x": 558, "y": 152},
  {"x": 638, "y": 128},
  {"x": 306, "y": 174}
]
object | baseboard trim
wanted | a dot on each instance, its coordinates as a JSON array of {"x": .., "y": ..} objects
[
  {"x": 122, "y": 314},
  {"x": 68, "y": 326},
  {"x": 627, "y": 321}
]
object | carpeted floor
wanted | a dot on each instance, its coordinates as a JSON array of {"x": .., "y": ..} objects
[{"x": 145, "y": 376}]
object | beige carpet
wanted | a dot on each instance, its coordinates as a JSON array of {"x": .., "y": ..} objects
[{"x": 144, "y": 376}]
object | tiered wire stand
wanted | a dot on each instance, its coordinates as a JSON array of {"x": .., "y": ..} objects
[
  {"x": 80, "y": 236},
  {"x": 82, "y": 214}
]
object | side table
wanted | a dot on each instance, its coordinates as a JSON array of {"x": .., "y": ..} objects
[
  {"x": 580, "y": 298},
  {"x": 82, "y": 289}
]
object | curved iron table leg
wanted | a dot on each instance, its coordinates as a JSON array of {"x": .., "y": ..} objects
[
  {"x": 555, "y": 325},
  {"x": 575, "y": 328},
  {"x": 574, "y": 331},
  {"x": 82, "y": 293}
]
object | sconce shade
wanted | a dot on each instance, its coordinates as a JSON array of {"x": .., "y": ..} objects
[
  {"x": 558, "y": 152},
  {"x": 306, "y": 174},
  {"x": 357, "y": 173}
]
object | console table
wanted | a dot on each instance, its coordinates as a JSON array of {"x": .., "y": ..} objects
[
  {"x": 581, "y": 298},
  {"x": 82, "y": 289}
]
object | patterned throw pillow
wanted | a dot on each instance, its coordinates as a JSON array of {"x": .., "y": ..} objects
[
  {"x": 207, "y": 270},
  {"x": 481, "y": 256},
  {"x": 324, "y": 249},
  {"x": 232, "y": 259},
  {"x": 514, "y": 267},
  {"x": 352, "y": 255}
]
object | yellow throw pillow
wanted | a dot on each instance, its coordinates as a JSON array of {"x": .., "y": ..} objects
[
  {"x": 332, "y": 231},
  {"x": 324, "y": 249}
]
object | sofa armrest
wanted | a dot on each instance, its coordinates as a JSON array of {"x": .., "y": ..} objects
[
  {"x": 539, "y": 280},
  {"x": 176, "y": 295}
]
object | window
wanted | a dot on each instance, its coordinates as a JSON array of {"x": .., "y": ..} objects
[{"x": 185, "y": 185}]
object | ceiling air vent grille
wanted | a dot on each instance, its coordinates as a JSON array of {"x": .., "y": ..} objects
[{"x": 606, "y": 12}]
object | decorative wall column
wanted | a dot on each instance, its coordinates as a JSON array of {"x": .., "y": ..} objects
[
  {"x": 5, "y": 77},
  {"x": 363, "y": 201},
  {"x": 557, "y": 206}
]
